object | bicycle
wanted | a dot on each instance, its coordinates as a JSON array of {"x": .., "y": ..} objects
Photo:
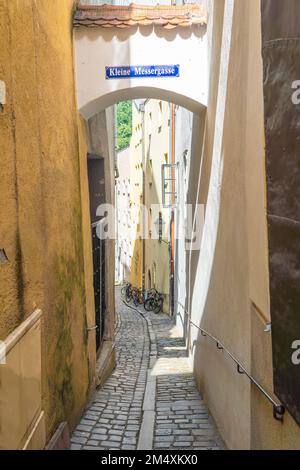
[
  {"x": 150, "y": 293},
  {"x": 154, "y": 303},
  {"x": 126, "y": 292},
  {"x": 138, "y": 296}
]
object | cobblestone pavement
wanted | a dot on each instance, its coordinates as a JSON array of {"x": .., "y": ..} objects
[
  {"x": 151, "y": 400},
  {"x": 182, "y": 418}
]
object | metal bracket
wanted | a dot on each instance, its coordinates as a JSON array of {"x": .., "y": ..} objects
[
  {"x": 278, "y": 412},
  {"x": 219, "y": 347},
  {"x": 268, "y": 327},
  {"x": 240, "y": 370},
  {"x": 92, "y": 328}
]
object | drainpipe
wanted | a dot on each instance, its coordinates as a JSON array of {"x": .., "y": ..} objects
[
  {"x": 115, "y": 132},
  {"x": 142, "y": 107},
  {"x": 172, "y": 226}
]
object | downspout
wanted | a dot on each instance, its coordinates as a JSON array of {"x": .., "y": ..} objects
[
  {"x": 143, "y": 199},
  {"x": 172, "y": 226},
  {"x": 115, "y": 132}
]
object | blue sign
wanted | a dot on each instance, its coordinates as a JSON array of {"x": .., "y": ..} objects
[{"x": 142, "y": 71}]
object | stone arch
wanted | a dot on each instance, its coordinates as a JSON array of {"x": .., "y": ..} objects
[
  {"x": 138, "y": 92},
  {"x": 100, "y": 49}
]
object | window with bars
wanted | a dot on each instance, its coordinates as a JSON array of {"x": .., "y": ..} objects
[
  {"x": 169, "y": 185},
  {"x": 160, "y": 227}
]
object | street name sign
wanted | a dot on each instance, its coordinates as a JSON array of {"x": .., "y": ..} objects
[{"x": 142, "y": 71}]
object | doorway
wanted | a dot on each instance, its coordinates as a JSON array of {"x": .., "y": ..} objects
[{"x": 97, "y": 197}]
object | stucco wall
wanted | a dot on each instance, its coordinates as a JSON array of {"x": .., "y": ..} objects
[
  {"x": 157, "y": 152},
  {"x": 183, "y": 156},
  {"x": 96, "y": 49},
  {"x": 40, "y": 203},
  {"x": 221, "y": 304},
  {"x": 124, "y": 243},
  {"x": 152, "y": 123},
  {"x": 231, "y": 294},
  {"x": 136, "y": 191}
]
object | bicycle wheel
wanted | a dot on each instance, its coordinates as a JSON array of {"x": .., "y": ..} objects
[
  {"x": 158, "y": 305},
  {"x": 123, "y": 291},
  {"x": 135, "y": 296},
  {"x": 151, "y": 293},
  {"x": 128, "y": 294},
  {"x": 149, "y": 304}
]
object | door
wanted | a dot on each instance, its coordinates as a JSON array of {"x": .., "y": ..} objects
[{"x": 97, "y": 197}]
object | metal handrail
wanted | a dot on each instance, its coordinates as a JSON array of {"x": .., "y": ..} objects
[
  {"x": 98, "y": 222},
  {"x": 278, "y": 408}
]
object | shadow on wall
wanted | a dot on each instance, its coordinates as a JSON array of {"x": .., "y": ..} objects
[
  {"x": 123, "y": 35},
  {"x": 192, "y": 257},
  {"x": 203, "y": 142}
]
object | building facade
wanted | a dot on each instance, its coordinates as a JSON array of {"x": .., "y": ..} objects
[
  {"x": 124, "y": 241},
  {"x": 230, "y": 276},
  {"x": 242, "y": 284},
  {"x": 47, "y": 314},
  {"x": 157, "y": 142},
  {"x": 233, "y": 286},
  {"x": 144, "y": 250}
]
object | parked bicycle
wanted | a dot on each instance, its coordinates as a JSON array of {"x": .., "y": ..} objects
[
  {"x": 138, "y": 296},
  {"x": 152, "y": 300},
  {"x": 126, "y": 292}
]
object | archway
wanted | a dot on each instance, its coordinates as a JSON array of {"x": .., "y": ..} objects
[
  {"x": 111, "y": 65},
  {"x": 97, "y": 49},
  {"x": 99, "y": 104}
]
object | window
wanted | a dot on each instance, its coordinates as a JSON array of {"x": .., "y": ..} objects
[
  {"x": 160, "y": 227},
  {"x": 169, "y": 185},
  {"x": 149, "y": 279}
]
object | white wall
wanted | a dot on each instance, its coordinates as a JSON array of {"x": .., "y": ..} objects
[
  {"x": 124, "y": 242},
  {"x": 97, "y": 48},
  {"x": 183, "y": 155},
  {"x": 220, "y": 295}
]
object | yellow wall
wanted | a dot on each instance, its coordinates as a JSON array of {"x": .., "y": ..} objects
[
  {"x": 136, "y": 193},
  {"x": 157, "y": 146},
  {"x": 40, "y": 199},
  {"x": 148, "y": 157}
]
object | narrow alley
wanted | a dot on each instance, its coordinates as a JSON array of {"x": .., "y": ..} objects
[
  {"x": 149, "y": 227},
  {"x": 151, "y": 400}
]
